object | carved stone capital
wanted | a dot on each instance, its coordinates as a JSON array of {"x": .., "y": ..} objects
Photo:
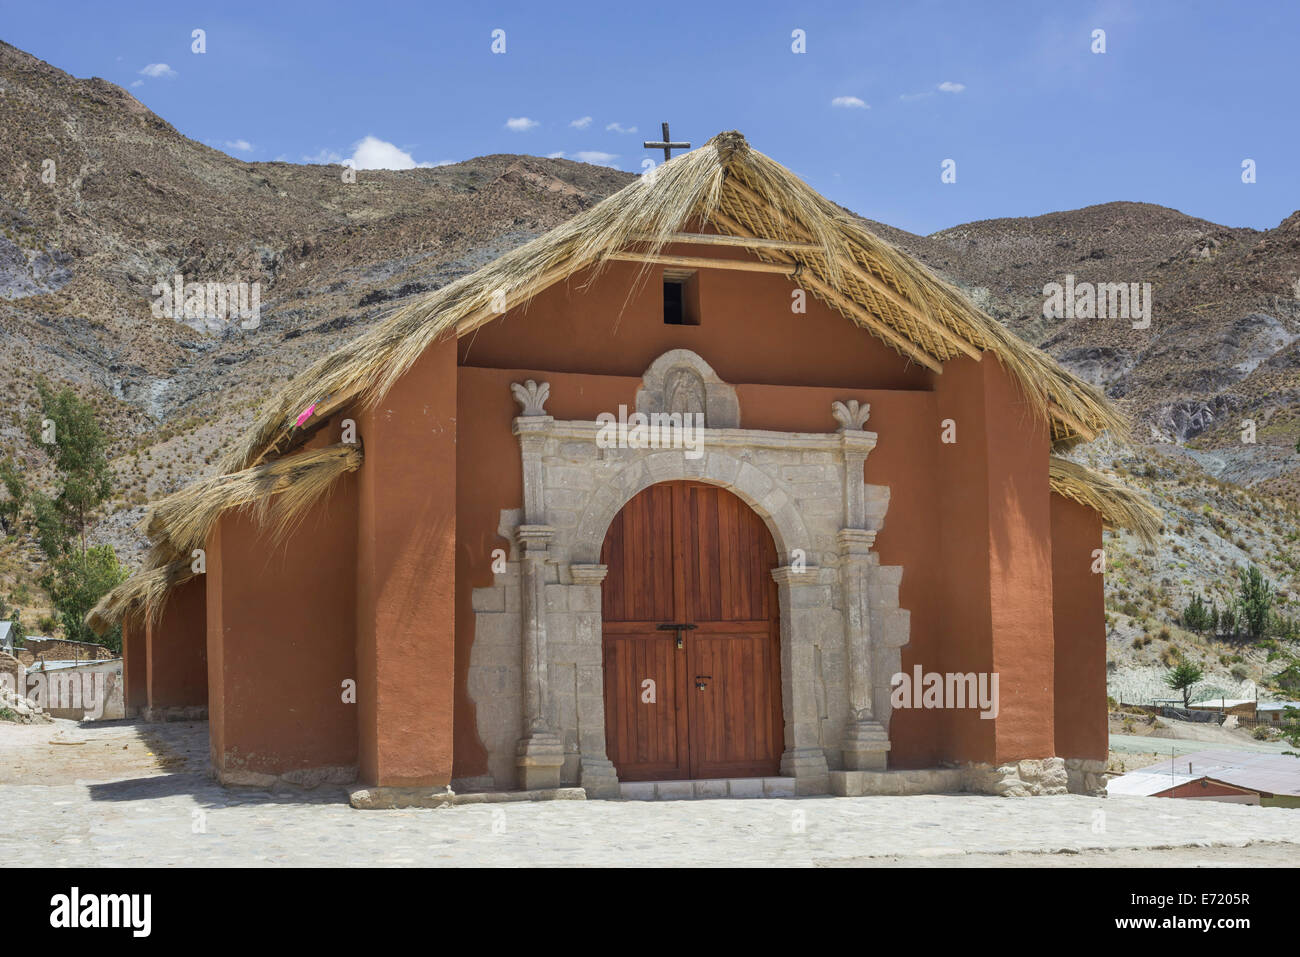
[
  {"x": 588, "y": 574},
  {"x": 533, "y": 432},
  {"x": 855, "y": 542},
  {"x": 531, "y": 397},
  {"x": 535, "y": 538},
  {"x": 790, "y": 575}
]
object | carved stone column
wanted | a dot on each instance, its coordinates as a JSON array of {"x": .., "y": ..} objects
[
  {"x": 541, "y": 751},
  {"x": 596, "y": 773},
  {"x": 803, "y": 758},
  {"x": 866, "y": 743},
  {"x": 540, "y": 754}
]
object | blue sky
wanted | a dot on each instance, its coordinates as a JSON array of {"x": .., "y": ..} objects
[{"x": 1034, "y": 120}]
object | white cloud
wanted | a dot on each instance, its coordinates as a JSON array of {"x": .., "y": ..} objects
[
  {"x": 240, "y": 146},
  {"x": 373, "y": 153},
  {"x": 581, "y": 123},
  {"x": 157, "y": 70},
  {"x": 555, "y": 156},
  {"x": 520, "y": 124},
  {"x": 135, "y": 83},
  {"x": 947, "y": 86},
  {"x": 595, "y": 157},
  {"x": 850, "y": 102},
  {"x": 620, "y": 128}
]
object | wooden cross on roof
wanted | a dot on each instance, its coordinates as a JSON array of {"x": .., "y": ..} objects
[{"x": 667, "y": 145}]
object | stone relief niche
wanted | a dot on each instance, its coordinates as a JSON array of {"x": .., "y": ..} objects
[
  {"x": 680, "y": 381},
  {"x": 536, "y": 666}
]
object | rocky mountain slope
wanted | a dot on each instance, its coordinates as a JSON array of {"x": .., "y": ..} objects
[{"x": 100, "y": 198}]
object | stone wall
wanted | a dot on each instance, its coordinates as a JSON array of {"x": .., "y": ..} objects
[{"x": 57, "y": 649}]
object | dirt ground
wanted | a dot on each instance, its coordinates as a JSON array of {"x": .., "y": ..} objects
[{"x": 64, "y": 753}]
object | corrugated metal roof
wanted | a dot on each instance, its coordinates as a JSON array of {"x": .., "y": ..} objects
[
  {"x": 1256, "y": 771},
  {"x": 62, "y": 664},
  {"x": 1144, "y": 782},
  {"x": 1222, "y": 702}
]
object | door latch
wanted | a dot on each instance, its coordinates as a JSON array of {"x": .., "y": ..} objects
[
  {"x": 678, "y": 627},
  {"x": 700, "y": 682}
]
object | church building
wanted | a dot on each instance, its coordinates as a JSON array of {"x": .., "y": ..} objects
[{"x": 709, "y": 490}]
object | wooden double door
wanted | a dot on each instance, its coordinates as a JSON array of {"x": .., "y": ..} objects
[{"x": 691, "y": 638}]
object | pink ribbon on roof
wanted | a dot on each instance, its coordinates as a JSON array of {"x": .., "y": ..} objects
[{"x": 304, "y": 415}]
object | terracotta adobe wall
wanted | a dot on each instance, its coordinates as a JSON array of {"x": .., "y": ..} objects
[
  {"x": 996, "y": 550},
  {"x": 1207, "y": 788},
  {"x": 406, "y": 576},
  {"x": 281, "y": 620},
  {"x": 748, "y": 333},
  {"x": 1079, "y": 609},
  {"x": 135, "y": 665},
  {"x": 176, "y": 650}
]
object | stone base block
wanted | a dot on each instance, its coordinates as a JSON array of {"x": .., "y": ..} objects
[
  {"x": 705, "y": 788},
  {"x": 539, "y": 760},
  {"x": 1026, "y": 778},
  {"x": 1086, "y": 776},
  {"x": 866, "y": 747},
  {"x": 925, "y": 781},
  {"x": 808, "y": 768},
  {"x": 598, "y": 778},
  {"x": 384, "y": 798}
]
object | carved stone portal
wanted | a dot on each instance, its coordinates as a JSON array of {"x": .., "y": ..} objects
[{"x": 535, "y": 671}]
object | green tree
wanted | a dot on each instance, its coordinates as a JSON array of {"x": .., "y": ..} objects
[
  {"x": 76, "y": 575},
  {"x": 1288, "y": 679},
  {"x": 1183, "y": 677},
  {"x": 1196, "y": 617},
  {"x": 66, "y": 430},
  {"x": 76, "y": 581},
  {"x": 11, "y": 506},
  {"x": 1228, "y": 621},
  {"x": 1255, "y": 599}
]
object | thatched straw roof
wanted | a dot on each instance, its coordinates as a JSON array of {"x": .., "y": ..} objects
[
  {"x": 279, "y": 494},
  {"x": 733, "y": 190},
  {"x": 725, "y": 188},
  {"x": 1119, "y": 506}
]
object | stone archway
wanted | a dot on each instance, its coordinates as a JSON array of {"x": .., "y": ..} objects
[{"x": 535, "y": 669}]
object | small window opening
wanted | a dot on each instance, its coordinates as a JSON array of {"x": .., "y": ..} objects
[{"x": 681, "y": 298}]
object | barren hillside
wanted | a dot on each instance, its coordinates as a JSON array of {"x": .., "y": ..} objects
[{"x": 100, "y": 199}]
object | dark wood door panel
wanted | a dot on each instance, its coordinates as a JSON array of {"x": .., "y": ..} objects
[
  {"x": 692, "y": 553},
  {"x": 735, "y": 720},
  {"x": 645, "y": 729}
]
